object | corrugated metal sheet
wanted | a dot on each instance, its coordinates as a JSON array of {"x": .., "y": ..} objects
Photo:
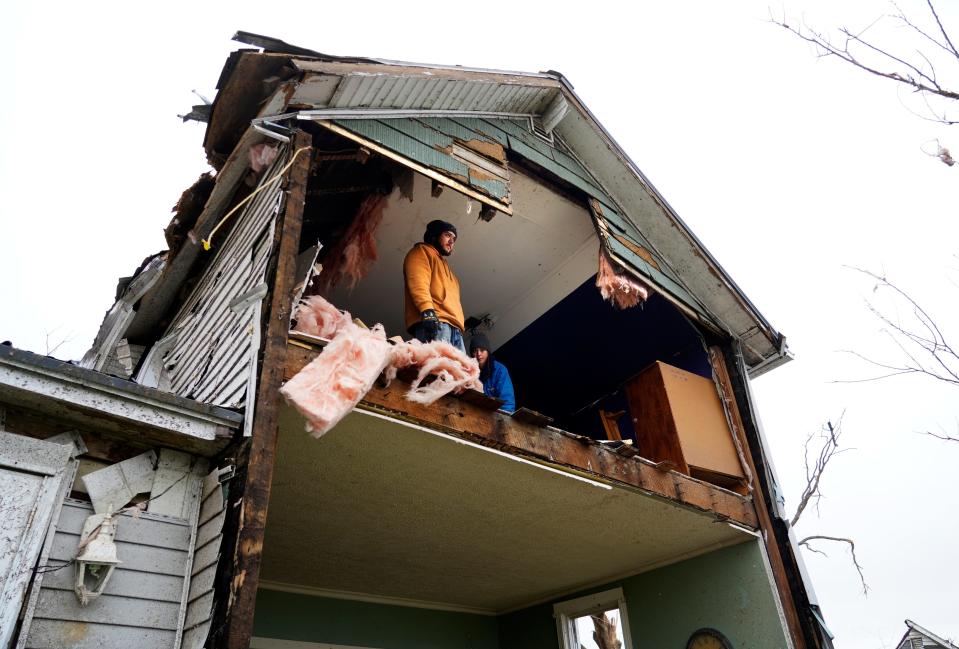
[
  {"x": 430, "y": 142},
  {"x": 215, "y": 349},
  {"x": 431, "y": 92},
  {"x": 209, "y": 535},
  {"x": 142, "y": 603}
]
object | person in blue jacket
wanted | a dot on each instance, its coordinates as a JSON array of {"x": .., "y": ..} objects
[{"x": 493, "y": 374}]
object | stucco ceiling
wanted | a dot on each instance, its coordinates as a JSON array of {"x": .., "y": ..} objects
[{"x": 388, "y": 509}]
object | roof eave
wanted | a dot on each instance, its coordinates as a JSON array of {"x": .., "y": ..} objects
[
  {"x": 776, "y": 352},
  {"x": 103, "y": 402}
]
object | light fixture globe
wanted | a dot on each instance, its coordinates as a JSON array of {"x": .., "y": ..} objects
[{"x": 97, "y": 557}]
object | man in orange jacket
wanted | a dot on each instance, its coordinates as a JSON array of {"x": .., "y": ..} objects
[{"x": 433, "y": 310}]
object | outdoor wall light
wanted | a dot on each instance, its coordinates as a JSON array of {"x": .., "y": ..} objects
[{"x": 97, "y": 557}]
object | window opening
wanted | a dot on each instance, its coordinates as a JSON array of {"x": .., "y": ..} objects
[{"x": 597, "y": 621}]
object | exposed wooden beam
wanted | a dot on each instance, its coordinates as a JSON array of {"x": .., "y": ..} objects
[
  {"x": 547, "y": 445},
  {"x": 258, "y": 479}
]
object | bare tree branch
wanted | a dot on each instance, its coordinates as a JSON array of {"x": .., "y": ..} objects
[
  {"x": 942, "y": 29},
  {"x": 51, "y": 346},
  {"x": 913, "y": 66},
  {"x": 920, "y": 339},
  {"x": 943, "y": 437},
  {"x": 901, "y": 16},
  {"x": 830, "y": 448},
  {"x": 604, "y": 632},
  {"x": 852, "y": 551}
]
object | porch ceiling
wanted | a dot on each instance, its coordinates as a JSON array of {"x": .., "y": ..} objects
[{"x": 384, "y": 508}]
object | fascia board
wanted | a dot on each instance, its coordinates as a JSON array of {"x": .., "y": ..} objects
[{"x": 119, "y": 399}]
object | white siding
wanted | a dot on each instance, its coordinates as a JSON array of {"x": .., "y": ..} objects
[
  {"x": 142, "y": 602},
  {"x": 209, "y": 534},
  {"x": 32, "y": 473},
  {"x": 215, "y": 350}
]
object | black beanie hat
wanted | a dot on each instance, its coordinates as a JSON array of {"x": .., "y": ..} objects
[
  {"x": 479, "y": 341},
  {"x": 436, "y": 228}
]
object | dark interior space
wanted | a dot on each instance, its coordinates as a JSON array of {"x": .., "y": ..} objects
[{"x": 571, "y": 373}]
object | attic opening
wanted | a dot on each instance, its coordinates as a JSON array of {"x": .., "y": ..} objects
[{"x": 527, "y": 281}]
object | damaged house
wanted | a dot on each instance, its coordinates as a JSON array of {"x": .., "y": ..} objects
[{"x": 167, "y": 495}]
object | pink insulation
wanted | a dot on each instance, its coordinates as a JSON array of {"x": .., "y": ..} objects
[
  {"x": 352, "y": 258},
  {"x": 317, "y": 317},
  {"x": 620, "y": 289},
  {"x": 262, "y": 156},
  {"x": 454, "y": 371},
  {"x": 334, "y": 382}
]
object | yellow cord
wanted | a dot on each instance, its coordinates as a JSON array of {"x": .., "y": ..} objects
[{"x": 207, "y": 242}]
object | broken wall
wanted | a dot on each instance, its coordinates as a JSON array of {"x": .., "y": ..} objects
[{"x": 209, "y": 351}]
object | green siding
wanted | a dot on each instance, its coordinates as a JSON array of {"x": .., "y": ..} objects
[
  {"x": 727, "y": 590},
  {"x": 425, "y": 141},
  {"x": 292, "y": 616}
]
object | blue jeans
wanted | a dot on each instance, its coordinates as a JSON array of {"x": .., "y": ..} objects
[{"x": 447, "y": 333}]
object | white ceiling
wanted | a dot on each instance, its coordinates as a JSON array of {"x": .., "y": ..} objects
[
  {"x": 388, "y": 509},
  {"x": 512, "y": 267}
]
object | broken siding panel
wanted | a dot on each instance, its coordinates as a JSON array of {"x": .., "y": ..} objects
[
  {"x": 215, "y": 351},
  {"x": 492, "y": 186},
  {"x": 142, "y": 601},
  {"x": 209, "y": 536},
  {"x": 482, "y": 127},
  {"x": 32, "y": 473},
  {"x": 390, "y": 133},
  {"x": 433, "y": 143},
  {"x": 625, "y": 242},
  {"x": 457, "y": 129}
]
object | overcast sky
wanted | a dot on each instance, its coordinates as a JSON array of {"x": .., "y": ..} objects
[{"x": 788, "y": 168}]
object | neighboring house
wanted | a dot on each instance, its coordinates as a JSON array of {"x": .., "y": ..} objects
[
  {"x": 640, "y": 508},
  {"x": 917, "y": 637}
]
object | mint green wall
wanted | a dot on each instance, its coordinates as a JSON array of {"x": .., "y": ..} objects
[
  {"x": 291, "y": 616},
  {"x": 727, "y": 590}
]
